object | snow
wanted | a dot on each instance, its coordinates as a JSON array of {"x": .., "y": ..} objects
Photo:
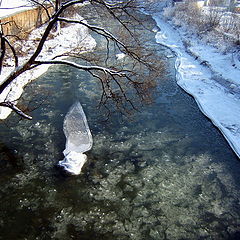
[
  {"x": 10, "y": 7},
  {"x": 212, "y": 78},
  {"x": 69, "y": 38},
  {"x": 120, "y": 56}
]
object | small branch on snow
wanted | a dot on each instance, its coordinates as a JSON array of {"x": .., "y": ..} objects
[{"x": 15, "y": 109}]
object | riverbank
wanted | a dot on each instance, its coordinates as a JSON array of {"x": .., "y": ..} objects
[
  {"x": 156, "y": 177},
  {"x": 209, "y": 76},
  {"x": 68, "y": 39}
]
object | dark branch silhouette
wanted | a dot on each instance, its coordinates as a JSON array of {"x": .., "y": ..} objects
[{"x": 109, "y": 76}]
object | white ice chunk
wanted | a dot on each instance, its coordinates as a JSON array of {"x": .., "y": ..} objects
[
  {"x": 120, "y": 56},
  {"x": 73, "y": 162},
  {"x": 78, "y": 139}
]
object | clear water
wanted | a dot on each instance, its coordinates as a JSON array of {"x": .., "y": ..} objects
[{"x": 166, "y": 174}]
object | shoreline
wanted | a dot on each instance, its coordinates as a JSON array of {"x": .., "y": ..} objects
[
  {"x": 70, "y": 38},
  {"x": 217, "y": 100}
]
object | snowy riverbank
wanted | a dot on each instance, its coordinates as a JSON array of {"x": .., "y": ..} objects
[
  {"x": 14, "y": 7},
  {"x": 212, "y": 78},
  {"x": 69, "y": 39}
]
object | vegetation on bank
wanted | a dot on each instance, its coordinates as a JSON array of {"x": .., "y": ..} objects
[{"x": 215, "y": 25}]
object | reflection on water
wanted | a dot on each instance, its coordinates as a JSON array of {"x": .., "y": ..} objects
[{"x": 166, "y": 174}]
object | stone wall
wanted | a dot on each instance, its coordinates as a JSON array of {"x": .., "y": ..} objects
[{"x": 24, "y": 21}]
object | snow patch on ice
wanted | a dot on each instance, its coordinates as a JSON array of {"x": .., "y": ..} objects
[{"x": 120, "y": 56}]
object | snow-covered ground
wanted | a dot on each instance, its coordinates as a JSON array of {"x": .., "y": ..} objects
[
  {"x": 212, "y": 78},
  {"x": 69, "y": 38},
  {"x": 9, "y": 7}
]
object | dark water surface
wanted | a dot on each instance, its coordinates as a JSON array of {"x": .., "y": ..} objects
[{"x": 166, "y": 174}]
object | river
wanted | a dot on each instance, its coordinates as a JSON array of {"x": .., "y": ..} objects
[{"x": 166, "y": 173}]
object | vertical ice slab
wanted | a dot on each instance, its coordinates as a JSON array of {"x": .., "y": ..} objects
[{"x": 78, "y": 139}]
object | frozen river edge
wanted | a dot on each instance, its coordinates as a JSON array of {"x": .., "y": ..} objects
[
  {"x": 214, "y": 86},
  {"x": 69, "y": 38}
]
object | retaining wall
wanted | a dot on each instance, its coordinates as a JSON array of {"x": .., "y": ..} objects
[{"x": 24, "y": 21}]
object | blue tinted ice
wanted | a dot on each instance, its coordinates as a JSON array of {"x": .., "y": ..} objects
[{"x": 76, "y": 130}]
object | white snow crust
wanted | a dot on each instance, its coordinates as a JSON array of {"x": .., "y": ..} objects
[
  {"x": 212, "y": 78},
  {"x": 120, "y": 56},
  {"x": 10, "y": 7}
]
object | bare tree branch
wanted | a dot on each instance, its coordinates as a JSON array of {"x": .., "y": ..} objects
[
  {"x": 115, "y": 83},
  {"x": 43, "y": 6},
  {"x": 96, "y": 29},
  {"x": 82, "y": 67},
  {"x": 15, "y": 109},
  {"x": 13, "y": 51},
  {"x": 99, "y": 30},
  {"x": 3, "y": 50},
  {"x": 110, "y": 7},
  {"x": 39, "y": 48}
]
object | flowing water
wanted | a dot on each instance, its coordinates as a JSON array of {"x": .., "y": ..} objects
[{"x": 166, "y": 174}]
